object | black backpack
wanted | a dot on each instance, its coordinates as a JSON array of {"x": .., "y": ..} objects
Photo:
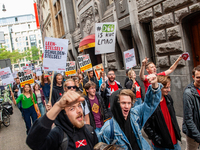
[{"x": 90, "y": 131}]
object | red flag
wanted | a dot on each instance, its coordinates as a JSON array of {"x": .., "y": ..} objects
[
  {"x": 36, "y": 15},
  {"x": 81, "y": 143}
]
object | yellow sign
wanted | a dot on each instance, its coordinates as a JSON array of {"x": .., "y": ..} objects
[
  {"x": 87, "y": 67},
  {"x": 31, "y": 81},
  {"x": 71, "y": 72}
]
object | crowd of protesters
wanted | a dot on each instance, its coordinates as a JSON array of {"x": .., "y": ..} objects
[{"x": 85, "y": 110}]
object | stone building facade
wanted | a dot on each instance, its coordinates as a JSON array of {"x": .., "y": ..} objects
[{"x": 158, "y": 29}]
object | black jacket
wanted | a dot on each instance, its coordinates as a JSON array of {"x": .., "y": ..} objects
[
  {"x": 191, "y": 110},
  {"x": 106, "y": 93},
  {"x": 129, "y": 85},
  {"x": 57, "y": 91},
  {"x": 42, "y": 137},
  {"x": 104, "y": 113},
  {"x": 16, "y": 87},
  {"x": 156, "y": 128},
  {"x": 93, "y": 79}
]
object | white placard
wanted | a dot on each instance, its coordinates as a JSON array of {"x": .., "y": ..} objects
[
  {"x": 85, "y": 63},
  {"x": 129, "y": 57},
  {"x": 15, "y": 74},
  {"x": 38, "y": 71},
  {"x": 55, "y": 54},
  {"x": 6, "y": 76},
  {"x": 105, "y": 37}
]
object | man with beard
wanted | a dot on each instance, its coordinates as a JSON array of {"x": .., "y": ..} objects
[
  {"x": 125, "y": 126},
  {"x": 191, "y": 110},
  {"x": 91, "y": 77},
  {"x": 57, "y": 88},
  {"x": 151, "y": 69},
  {"x": 67, "y": 114},
  {"x": 110, "y": 86}
]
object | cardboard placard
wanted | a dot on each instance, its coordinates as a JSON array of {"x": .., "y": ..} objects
[
  {"x": 6, "y": 76},
  {"x": 15, "y": 74},
  {"x": 38, "y": 71},
  {"x": 85, "y": 63},
  {"x": 55, "y": 54},
  {"x": 129, "y": 57},
  {"x": 97, "y": 70},
  {"x": 70, "y": 68},
  {"x": 25, "y": 77},
  {"x": 105, "y": 37}
]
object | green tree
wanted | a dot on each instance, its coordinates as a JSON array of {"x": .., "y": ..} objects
[
  {"x": 33, "y": 54},
  {"x": 14, "y": 56}
]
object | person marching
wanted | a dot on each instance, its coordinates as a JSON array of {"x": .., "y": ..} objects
[
  {"x": 28, "y": 99},
  {"x": 45, "y": 84}
]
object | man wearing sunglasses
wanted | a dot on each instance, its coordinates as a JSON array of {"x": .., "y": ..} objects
[{"x": 70, "y": 85}]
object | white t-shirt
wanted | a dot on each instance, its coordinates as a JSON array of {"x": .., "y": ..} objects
[{"x": 85, "y": 109}]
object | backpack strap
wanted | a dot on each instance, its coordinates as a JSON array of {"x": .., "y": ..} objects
[{"x": 65, "y": 142}]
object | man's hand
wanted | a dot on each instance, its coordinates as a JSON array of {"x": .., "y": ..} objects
[
  {"x": 103, "y": 85},
  {"x": 144, "y": 61},
  {"x": 48, "y": 106},
  {"x": 69, "y": 98},
  {"x": 152, "y": 78}
]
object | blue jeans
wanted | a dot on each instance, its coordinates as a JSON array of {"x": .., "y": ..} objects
[
  {"x": 19, "y": 105},
  {"x": 29, "y": 113},
  {"x": 41, "y": 108},
  {"x": 137, "y": 102},
  {"x": 46, "y": 99},
  {"x": 176, "y": 147}
]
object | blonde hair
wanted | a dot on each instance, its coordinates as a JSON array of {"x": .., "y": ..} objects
[
  {"x": 128, "y": 92},
  {"x": 163, "y": 79},
  {"x": 129, "y": 72},
  {"x": 68, "y": 81}
]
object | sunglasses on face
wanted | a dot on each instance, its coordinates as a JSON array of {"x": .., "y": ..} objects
[{"x": 69, "y": 87}]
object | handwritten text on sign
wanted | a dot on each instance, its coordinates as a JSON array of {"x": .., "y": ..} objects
[
  {"x": 85, "y": 63},
  {"x": 129, "y": 57},
  {"x": 6, "y": 76},
  {"x": 55, "y": 54},
  {"x": 105, "y": 37},
  {"x": 25, "y": 77},
  {"x": 70, "y": 68}
]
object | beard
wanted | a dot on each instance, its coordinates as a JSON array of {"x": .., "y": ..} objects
[
  {"x": 77, "y": 123},
  {"x": 111, "y": 79}
]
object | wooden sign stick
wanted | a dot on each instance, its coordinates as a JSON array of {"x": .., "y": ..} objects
[{"x": 51, "y": 88}]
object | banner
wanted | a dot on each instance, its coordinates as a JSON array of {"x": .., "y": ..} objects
[
  {"x": 55, "y": 54},
  {"x": 38, "y": 71},
  {"x": 70, "y": 68},
  {"x": 6, "y": 76},
  {"x": 26, "y": 76},
  {"x": 97, "y": 69},
  {"x": 129, "y": 57},
  {"x": 105, "y": 37},
  {"x": 85, "y": 63}
]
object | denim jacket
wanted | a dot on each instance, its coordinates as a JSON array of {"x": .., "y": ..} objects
[{"x": 138, "y": 117}]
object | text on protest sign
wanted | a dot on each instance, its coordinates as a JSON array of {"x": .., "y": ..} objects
[
  {"x": 97, "y": 69},
  {"x": 70, "y": 68},
  {"x": 129, "y": 57},
  {"x": 85, "y": 63},
  {"x": 25, "y": 77},
  {"x": 38, "y": 71},
  {"x": 6, "y": 76},
  {"x": 55, "y": 54},
  {"x": 15, "y": 74},
  {"x": 105, "y": 37}
]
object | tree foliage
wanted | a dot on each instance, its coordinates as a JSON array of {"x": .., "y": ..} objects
[
  {"x": 33, "y": 54},
  {"x": 14, "y": 56}
]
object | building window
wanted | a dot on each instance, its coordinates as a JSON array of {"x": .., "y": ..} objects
[
  {"x": 24, "y": 48},
  {"x": 16, "y": 19},
  {"x": 29, "y": 26},
  {"x": 16, "y": 66},
  {"x": 26, "y": 43}
]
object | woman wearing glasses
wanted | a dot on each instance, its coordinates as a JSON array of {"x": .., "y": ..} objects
[{"x": 162, "y": 127}]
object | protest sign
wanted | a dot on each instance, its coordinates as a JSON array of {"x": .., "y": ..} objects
[
  {"x": 105, "y": 37},
  {"x": 47, "y": 73},
  {"x": 38, "y": 71},
  {"x": 84, "y": 63},
  {"x": 55, "y": 54},
  {"x": 129, "y": 57},
  {"x": 6, "y": 76},
  {"x": 15, "y": 74},
  {"x": 97, "y": 70},
  {"x": 186, "y": 56},
  {"x": 70, "y": 68},
  {"x": 25, "y": 76}
]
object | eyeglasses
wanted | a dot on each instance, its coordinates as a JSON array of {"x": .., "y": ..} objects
[{"x": 69, "y": 87}]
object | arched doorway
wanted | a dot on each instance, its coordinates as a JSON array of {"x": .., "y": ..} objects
[{"x": 194, "y": 28}]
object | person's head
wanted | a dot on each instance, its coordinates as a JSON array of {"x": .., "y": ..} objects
[
  {"x": 126, "y": 100},
  {"x": 90, "y": 88},
  {"x": 166, "y": 82},
  {"x": 196, "y": 76},
  {"x": 75, "y": 115},
  {"x": 131, "y": 74},
  {"x": 76, "y": 80},
  {"x": 69, "y": 84},
  {"x": 17, "y": 80},
  {"x": 59, "y": 79},
  {"x": 151, "y": 68},
  {"x": 27, "y": 89},
  {"x": 111, "y": 75},
  {"x": 80, "y": 77},
  {"x": 36, "y": 87},
  {"x": 44, "y": 79},
  {"x": 90, "y": 74},
  {"x": 127, "y": 72}
]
